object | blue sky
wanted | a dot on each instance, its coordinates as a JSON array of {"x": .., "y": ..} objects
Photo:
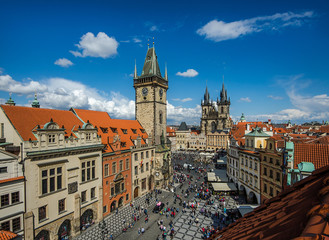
[{"x": 273, "y": 55}]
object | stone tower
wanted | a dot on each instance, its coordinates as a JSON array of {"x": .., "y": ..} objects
[
  {"x": 151, "y": 97},
  {"x": 215, "y": 118},
  {"x": 224, "y": 110}
]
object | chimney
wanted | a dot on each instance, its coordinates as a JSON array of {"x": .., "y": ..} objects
[{"x": 248, "y": 127}]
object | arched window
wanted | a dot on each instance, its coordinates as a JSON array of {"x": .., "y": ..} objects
[
  {"x": 222, "y": 108},
  {"x": 213, "y": 126}
]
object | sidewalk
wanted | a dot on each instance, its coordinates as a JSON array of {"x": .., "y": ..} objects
[{"x": 114, "y": 221}]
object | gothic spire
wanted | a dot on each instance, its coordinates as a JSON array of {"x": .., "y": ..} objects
[
  {"x": 151, "y": 65},
  {"x": 135, "y": 73},
  {"x": 166, "y": 74}
]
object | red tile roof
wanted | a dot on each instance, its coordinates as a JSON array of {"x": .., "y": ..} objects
[
  {"x": 11, "y": 179},
  {"x": 106, "y": 125},
  {"x": 6, "y": 235},
  {"x": 26, "y": 119},
  {"x": 318, "y": 154},
  {"x": 299, "y": 212},
  {"x": 171, "y": 132}
]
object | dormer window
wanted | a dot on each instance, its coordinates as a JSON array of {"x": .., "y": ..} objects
[
  {"x": 114, "y": 130},
  {"x": 142, "y": 130},
  {"x": 134, "y": 131},
  {"x": 51, "y": 138},
  {"x": 88, "y": 136},
  {"x": 104, "y": 130},
  {"x": 124, "y": 131}
]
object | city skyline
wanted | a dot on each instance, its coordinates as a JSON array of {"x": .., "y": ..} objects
[{"x": 272, "y": 56}]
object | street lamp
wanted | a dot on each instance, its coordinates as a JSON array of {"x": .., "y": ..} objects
[{"x": 103, "y": 227}]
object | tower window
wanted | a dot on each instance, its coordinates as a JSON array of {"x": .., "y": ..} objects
[{"x": 160, "y": 117}]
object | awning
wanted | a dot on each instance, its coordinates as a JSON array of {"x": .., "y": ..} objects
[
  {"x": 223, "y": 187},
  {"x": 220, "y": 161}
]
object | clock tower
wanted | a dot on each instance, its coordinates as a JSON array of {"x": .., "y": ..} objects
[{"x": 151, "y": 98}]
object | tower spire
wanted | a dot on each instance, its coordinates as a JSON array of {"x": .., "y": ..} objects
[
  {"x": 135, "y": 72},
  {"x": 154, "y": 60},
  {"x": 166, "y": 74}
]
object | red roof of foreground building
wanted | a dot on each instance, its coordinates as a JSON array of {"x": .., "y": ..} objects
[
  {"x": 171, "y": 132},
  {"x": 6, "y": 235},
  {"x": 27, "y": 119},
  {"x": 299, "y": 213},
  {"x": 108, "y": 128},
  {"x": 318, "y": 154}
]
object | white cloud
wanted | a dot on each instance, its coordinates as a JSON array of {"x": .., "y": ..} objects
[
  {"x": 183, "y": 100},
  {"x": 275, "y": 97},
  {"x": 219, "y": 30},
  {"x": 246, "y": 99},
  {"x": 100, "y": 46},
  {"x": 154, "y": 28},
  {"x": 188, "y": 73},
  {"x": 136, "y": 40},
  {"x": 178, "y": 114},
  {"x": 63, "y": 62},
  {"x": 125, "y": 41},
  {"x": 8, "y": 84}
]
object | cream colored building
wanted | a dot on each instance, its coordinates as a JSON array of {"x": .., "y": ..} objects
[
  {"x": 182, "y": 137},
  {"x": 11, "y": 193},
  {"x": 218, "y": 140},
  {"x": 143, "y": 161},
  {"x": 62, "y": 158},
  {"x": 249, "y": 158},
  {"x": 197, "y": 141}
]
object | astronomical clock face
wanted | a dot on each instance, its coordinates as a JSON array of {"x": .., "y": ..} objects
[
  {"x": 144, "y": 92},
  {"x": 161, "y": 92}
]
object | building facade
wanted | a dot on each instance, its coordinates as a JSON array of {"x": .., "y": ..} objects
[
  {"x": 62, "y": 161},
  {"x": 12, "y": 190}
]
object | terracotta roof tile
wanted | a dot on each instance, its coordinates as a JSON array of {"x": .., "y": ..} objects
[
  {"x": 106, "y": 125},
  {"x": 318, "y": 154},
  {"x": 286, "y": 216},
  {"x": 25, "y": 119},
  {"x": 7, "y": 235}
]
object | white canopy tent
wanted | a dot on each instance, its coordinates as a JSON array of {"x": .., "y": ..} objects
[{"x": 223, "y": 187}]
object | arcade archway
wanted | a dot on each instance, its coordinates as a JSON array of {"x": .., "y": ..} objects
[
  {"x": 64, "y": 230},
  {"x": 113, "y": 206}
]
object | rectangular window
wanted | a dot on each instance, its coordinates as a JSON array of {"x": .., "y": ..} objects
[
  {"x": 278, "y": 177},
  {"x": 114, "y": 166},
  {"x": 127, "y": 163},
  {"x": 3, "y": 170},
  {"x": 147, "y": 154},
  {"x": 255, "y": 166},
  {"x": 265, "y": 159},
  {"x": 42, "y": 213},
  {"x": 16, "y": 224},
  {"x": 117, "y": 188},
  {"x": 136, "y": 170},
  {"x": 144, "y": 184},
  {"x": 147, "y": 166},
  {"x": 271, "y": 173},
  {"x": 104, "y": 209},
  {"x": 106, "y": 170},
  {"x": 265, "y": 171},
  {"x": 127, "y": 196},
  {"x": 88, "y": 136},
  {"x": 142, "y": 155},
  {"x": 83, "y": 196},
  {"x": 121, "y": 165},
  {"x": 112, "y": 191},
  {"x": 93, "y": 193},
  {"x": 152, "y": 153},
  {"x": 136, "y": 157},
  {"x": 61, "y": 205},
  {"x": 142, "y": 168},
  {"x": 88, "y": 169},
  {"x": 151, "y": 164},
  {"x": 51, "y": 180},
  {"x": 265, "y": 188},
  {"x": 271, "y": 160},
  {"x": 5, "y": 226},
  {"x": 51, "y": 138},
  {"x": 4, "y": 200},
  {"x": 14, "y": 197},
  {"x": 271, "y": 191},
  {"x": 122, "y": 187}
]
